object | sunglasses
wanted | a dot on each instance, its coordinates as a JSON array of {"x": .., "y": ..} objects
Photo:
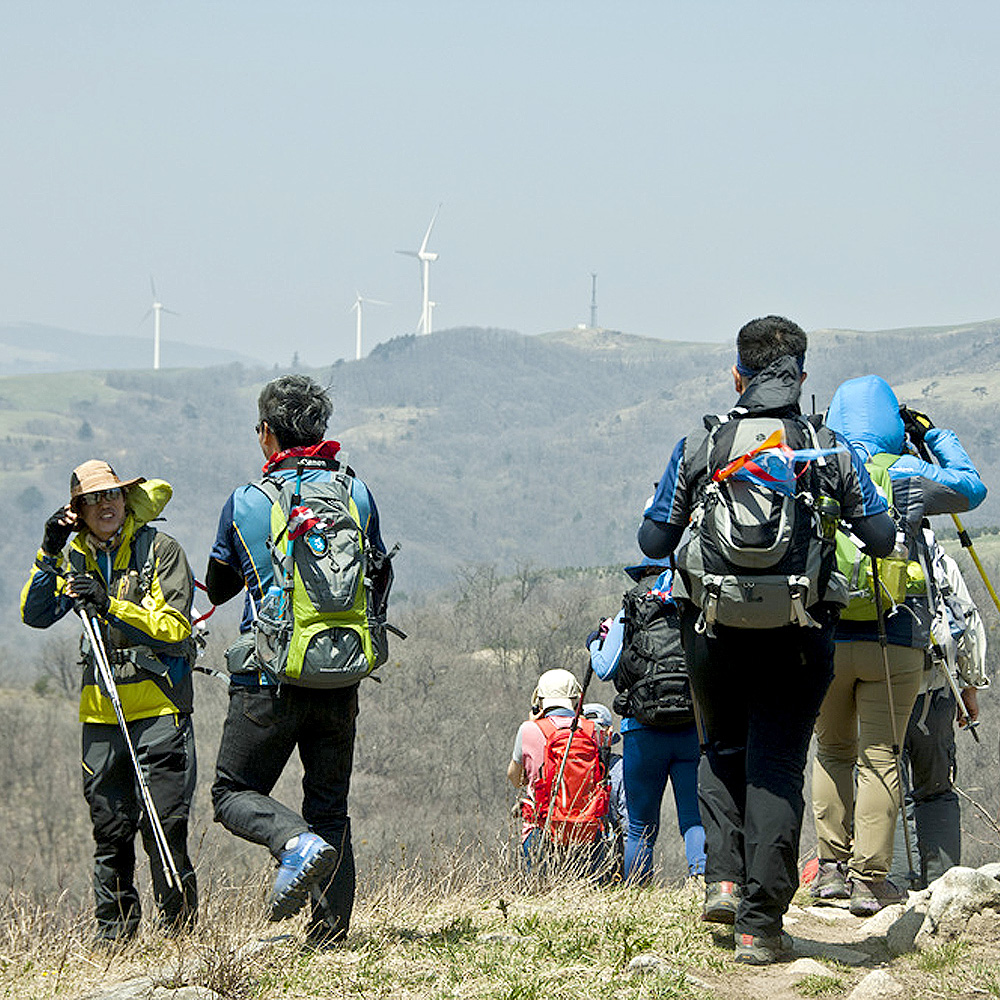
[{"x": 90, "y": 499}]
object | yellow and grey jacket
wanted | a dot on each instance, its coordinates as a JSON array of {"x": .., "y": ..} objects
[{"x": 147, "y": 629}]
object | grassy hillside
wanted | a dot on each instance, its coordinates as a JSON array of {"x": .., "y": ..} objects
[{"x": 481, "y": 446}]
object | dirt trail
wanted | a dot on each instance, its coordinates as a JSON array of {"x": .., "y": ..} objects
[{"x": 849, "y": 948}]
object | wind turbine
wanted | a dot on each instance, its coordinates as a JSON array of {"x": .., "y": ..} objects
[
  {"x": 156, "y": 308},
  {"x": 357, "y": 308},
  {"x": 424, "y": 258}
]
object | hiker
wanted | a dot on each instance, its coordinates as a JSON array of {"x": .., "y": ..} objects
[
  {"x": 762, "y": 488},
  {"x": 958, "y": 648},
  {"x": 616, "y": 820},
  {"x": 133, "y": 582},
  {"x": 855, "y": 733},
  {"x": 267, "y": 720},
  {"x": 641, "y": 652},
  {"x": 565, "y": 804}
]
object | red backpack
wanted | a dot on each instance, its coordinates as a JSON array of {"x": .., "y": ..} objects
[{"x": 582, "y": 802}]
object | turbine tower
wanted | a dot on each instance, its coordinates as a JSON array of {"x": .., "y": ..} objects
[
  {"x": 593, "y": 300},
  {"x": 156, "y": 308},
  {"x": 424, "y": 258},
  {"x": 359, "y": 300}
]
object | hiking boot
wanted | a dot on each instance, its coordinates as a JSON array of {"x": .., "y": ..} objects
[
  {"x": 754, "y": 949},
  {"x": 308, "y": 861},
  {"x": 831, "y": 881},
  {"x": 868, "y": 897},
  {"x": 721, "y": 902}
]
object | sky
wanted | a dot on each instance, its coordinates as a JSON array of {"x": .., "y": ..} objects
[{"x": 710, "y": 160}]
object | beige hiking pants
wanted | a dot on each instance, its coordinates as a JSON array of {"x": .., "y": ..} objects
[{"x": 854, "y": 728}]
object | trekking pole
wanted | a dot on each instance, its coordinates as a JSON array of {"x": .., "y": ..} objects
[
  {"x": 557, "y": 784},
  {"x": 936, "y": 599},
  {"x": 896, "y": 753},
  {"x": 93, "y": 634},
  {"x": 964, "y": 719},
  {"x": 963, "y": 536}
]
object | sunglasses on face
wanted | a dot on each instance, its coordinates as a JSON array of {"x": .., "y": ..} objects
[{"x": 90, "y": 499}]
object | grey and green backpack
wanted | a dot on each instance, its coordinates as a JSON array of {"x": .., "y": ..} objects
[{"x": 323, "y": 622}]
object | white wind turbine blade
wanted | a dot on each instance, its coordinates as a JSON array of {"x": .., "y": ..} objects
[{"x": 427, "y": 235}]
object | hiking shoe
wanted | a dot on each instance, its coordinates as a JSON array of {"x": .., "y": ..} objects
[
  {"x": 721, "y": 902},
  {"x": 754, "y": 949},
  {"x": 868, "y": 897},
  {"x": 831, "y": 881},
  {"x": 309, "y": 860}
]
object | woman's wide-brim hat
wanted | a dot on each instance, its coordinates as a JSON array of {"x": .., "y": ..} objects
[{"x": 94, "y": 476}]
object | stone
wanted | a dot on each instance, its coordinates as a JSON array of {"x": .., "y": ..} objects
[
  {"x": 957, "y": 895},
  {"x": 500, "y": 937},
  {"x": 650, "y": 964},
  {"x": 647, "y": 964},
  {"x": 832, "y": 951},
  {"x": 876, "y": 985},
  {"x": 992, "y": 870},
  {"x": 806, "y": 967},
  {"x": 828, "y": 913},
  {"x": 883, "y": 920},
  {"x": 902, "y": 933},
  {"x": 143, "y": 988}
]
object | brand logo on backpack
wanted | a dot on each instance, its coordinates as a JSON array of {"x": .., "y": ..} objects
[
  {"x": 580, "y": 803},
  {"x": 759, "y": 555},
  {"x": 322, "y": 624}
]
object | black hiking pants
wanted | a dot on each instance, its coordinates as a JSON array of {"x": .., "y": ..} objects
[
  {"x": 759, "y": 692},
  {"x": 165, "y": 748},
  {"x": 263, "y": 727}
]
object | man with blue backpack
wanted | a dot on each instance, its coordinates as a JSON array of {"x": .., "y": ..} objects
[
  {"x": 762, "y": 489},
  {"x": 304, "y": 541}
]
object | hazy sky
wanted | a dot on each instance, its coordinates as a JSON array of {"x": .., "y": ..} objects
[{"x": 711, "y": 161}]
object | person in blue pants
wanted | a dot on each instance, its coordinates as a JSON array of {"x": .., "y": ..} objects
[{"x": 652, "y": 754}]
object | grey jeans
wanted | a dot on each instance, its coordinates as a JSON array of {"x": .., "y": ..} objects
[{"x": 164, "y": 746}]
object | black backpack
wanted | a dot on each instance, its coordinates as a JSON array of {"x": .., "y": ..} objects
[{"x": 651, "y": 676}]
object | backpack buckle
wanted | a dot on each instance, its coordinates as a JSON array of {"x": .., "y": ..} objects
[
  {"x": 798, "y": 590},
  {"x": 709, "y": 606}
]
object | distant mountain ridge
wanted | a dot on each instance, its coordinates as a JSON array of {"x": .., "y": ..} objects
[
  {"x": 33, "y": 348},
  {"x": 481, "y": 446}
]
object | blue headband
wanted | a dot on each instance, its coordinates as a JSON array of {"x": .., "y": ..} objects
[{"x": 800, "y": 360}]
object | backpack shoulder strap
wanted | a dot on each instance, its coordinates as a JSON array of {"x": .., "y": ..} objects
[
  {"x": 884, "y": 460},
  {"x": 272, "y": 487},
  {"x": 143, "y": 556},
  {"x": 77, "y": 561},
  {"x": 547, "y": 726}
]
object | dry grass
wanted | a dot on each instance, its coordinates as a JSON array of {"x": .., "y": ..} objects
[{"x": 461, "y": 925}]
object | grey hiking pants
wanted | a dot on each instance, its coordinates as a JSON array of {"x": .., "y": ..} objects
[
  {"x": 932, "y": 804},
  {"x": 165, "y": 748}
]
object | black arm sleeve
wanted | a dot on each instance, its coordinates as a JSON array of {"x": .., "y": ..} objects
[
  {"x": 878, "y": 532},
  {"x": 222, "y": 582},
  {"x": 657, "y": 539}
]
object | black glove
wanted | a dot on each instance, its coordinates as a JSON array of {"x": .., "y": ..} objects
[
  {"x": 917, "y": 424},
  {"x": 89, "y": 591},
  {"x": 596, "y": 634},
  {"x": 56, "y": 532}
]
